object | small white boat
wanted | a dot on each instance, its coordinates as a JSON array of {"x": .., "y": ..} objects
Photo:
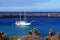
[{"x": 22, "y": 23}]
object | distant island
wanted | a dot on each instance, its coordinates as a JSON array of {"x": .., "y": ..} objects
[{"x": 29, "y": 14}]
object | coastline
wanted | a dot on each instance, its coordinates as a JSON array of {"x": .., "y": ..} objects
[{"x": 5, "y": 15}]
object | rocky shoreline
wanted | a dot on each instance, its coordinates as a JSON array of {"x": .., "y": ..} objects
[
  {"x": 32, "y": 35},
  {"x": 29, "y": 15}
]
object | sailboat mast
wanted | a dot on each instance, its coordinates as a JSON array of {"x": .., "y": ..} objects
[
  {"x": 24, "y": 16},
  {"x": 20, "y": 16}
]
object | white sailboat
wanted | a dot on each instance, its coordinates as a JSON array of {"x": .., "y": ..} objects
[{"x": 23, "y": 23}]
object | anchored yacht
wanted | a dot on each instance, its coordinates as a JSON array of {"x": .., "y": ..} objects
[{"x": 23, "y": 23}]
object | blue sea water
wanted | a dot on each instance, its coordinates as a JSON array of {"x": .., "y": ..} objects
[{"x": 43, "y": 25}]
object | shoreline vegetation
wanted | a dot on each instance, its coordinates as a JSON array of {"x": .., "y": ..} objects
[
  {"x": 32, "y": 35},
  {"x": 31, "y": 14}
]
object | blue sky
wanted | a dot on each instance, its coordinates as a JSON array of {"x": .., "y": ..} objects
[{"x": 29, "y": 5}]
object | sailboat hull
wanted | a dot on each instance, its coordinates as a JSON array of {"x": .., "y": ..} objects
[{"x": 22, "y": 23}]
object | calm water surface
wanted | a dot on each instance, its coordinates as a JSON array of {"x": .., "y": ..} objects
[{"x": 43, "y": 25}]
